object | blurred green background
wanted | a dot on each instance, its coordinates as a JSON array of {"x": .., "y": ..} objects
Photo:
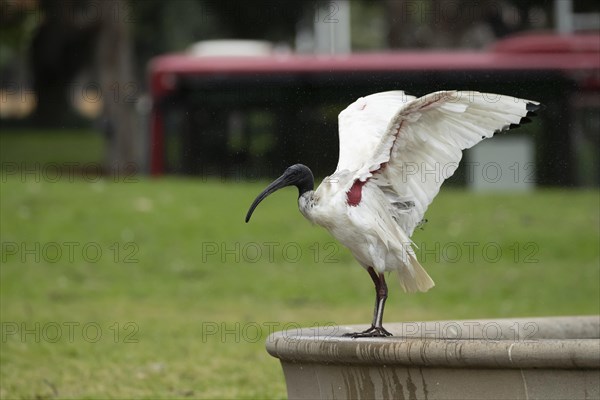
[{"x": 179, "y": 301}]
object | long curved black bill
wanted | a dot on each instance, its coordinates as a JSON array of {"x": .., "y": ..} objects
[{"x": 277, "y": 184}]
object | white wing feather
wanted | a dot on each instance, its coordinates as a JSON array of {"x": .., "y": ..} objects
[
  {"x": 403, "y": 148},
  {"x": 363, "y": 124},
  {"x": 409, "y": 146}
]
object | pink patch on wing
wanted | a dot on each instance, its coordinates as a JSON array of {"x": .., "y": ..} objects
[{"x": 354, "y": 195}]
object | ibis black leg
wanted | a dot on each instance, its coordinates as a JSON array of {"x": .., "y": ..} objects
[{"x": 381, "y": 292}]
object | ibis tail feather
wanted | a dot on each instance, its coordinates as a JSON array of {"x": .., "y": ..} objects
[{"x": 413, "y": 277}]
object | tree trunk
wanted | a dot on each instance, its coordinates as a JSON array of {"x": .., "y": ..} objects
[{"x": 118, "y": 86}]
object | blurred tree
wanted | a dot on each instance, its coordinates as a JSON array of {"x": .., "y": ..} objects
[
  {"x": 162, "y": 26},
  {"x": 457, "y": 23},
  {"x": 62, "y": 45},
  {"x": 260, "y": 19},
  {"x": 17, "y": 25},
  {"x": 117, "y": 83},
  {"x": 70, "y": 37},
  {"x": 367, "y": 24}
]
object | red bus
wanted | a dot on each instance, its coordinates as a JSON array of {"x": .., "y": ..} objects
[{"x": 253, "y": 116}]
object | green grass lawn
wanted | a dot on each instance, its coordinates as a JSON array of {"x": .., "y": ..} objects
[
  {"x": 161, "y": 290},
  {"x": 25, "y": 148}
]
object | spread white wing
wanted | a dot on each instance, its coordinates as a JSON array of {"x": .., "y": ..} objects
[
  {"x": 363, "y": 124},
  {"x": 408, "y": 146}
]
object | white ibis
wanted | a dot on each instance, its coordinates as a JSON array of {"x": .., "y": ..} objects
[{"x": 396, "y": 151}]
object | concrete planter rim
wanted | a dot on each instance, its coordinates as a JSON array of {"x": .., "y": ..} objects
[{"x": 558, "y": 342}]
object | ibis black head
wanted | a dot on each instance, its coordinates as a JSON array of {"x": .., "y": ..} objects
[{"x": 297, "y": 175}]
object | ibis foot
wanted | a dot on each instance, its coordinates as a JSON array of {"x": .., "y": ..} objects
[{"x": 373, "y": 331}]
